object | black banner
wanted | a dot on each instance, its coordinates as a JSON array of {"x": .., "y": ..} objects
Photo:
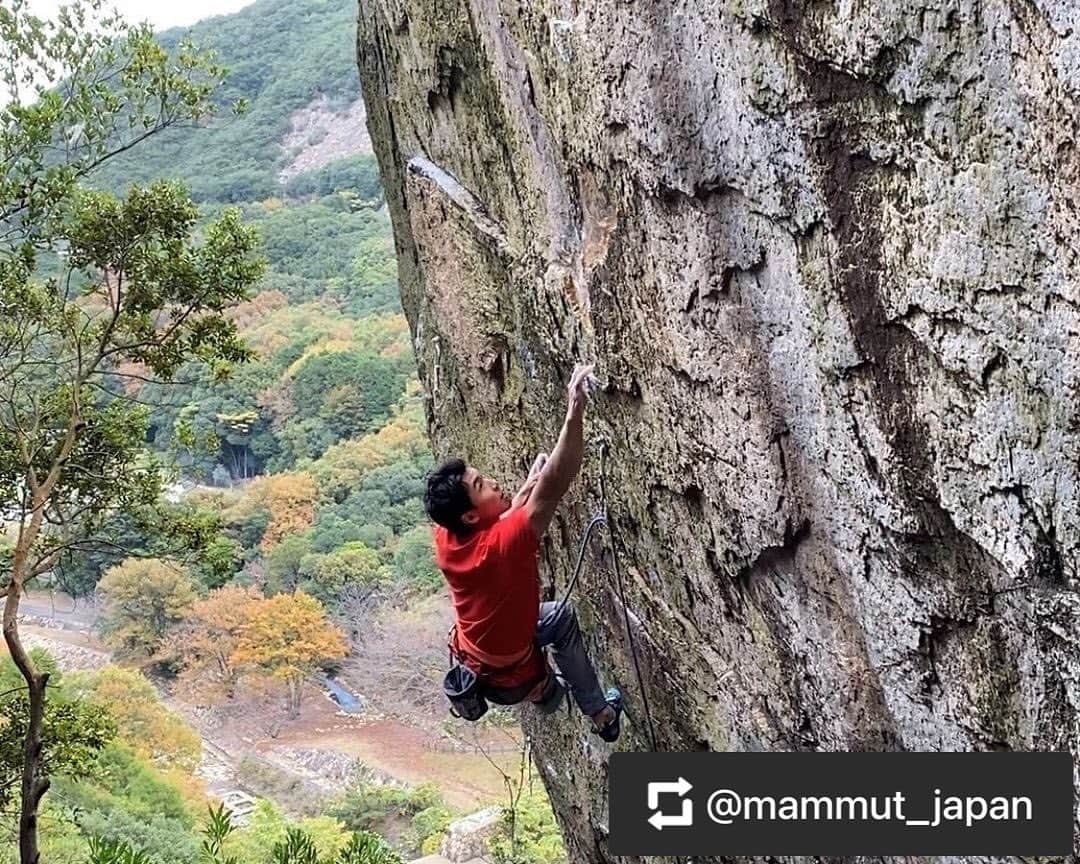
[{"x": 841, "y": 804}]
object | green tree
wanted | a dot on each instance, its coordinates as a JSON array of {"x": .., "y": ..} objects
[
  {"x": 133, "y": 289},
  {"x": 362, "y": 848},
  {"x": 283, "y": 563},
  {"x": 414, "y": 561},
  {"x": 78, "y": 571},
  {"x": 359, "y": 174},
  {"x": 77, "y": 731},
  {"x": 144, "y": 597},
  {"x": 279, "y": 53},
  {"x": 352, "y": 565},
  {"x": 528, "y": 832},
  {"x": 372, "y": 384},
  {"x": 219, "y": 562},
  {"x": 268, "y": 827}
]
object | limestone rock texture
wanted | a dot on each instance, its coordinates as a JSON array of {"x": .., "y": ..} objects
[{"x": 824, "y": 255}]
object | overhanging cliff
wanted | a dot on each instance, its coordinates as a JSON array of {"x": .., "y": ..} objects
[{"x": 825, "y": 257}]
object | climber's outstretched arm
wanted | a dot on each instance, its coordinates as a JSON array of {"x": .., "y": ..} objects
[
  {"x": 525, "y": 492},
  {"x": 564, "y": 462}
]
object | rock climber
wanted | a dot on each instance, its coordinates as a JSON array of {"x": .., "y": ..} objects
[{"x": 486, "y": 545}]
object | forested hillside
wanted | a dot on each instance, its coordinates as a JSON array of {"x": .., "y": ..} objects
[
  {"x": 295, "y": 533},
  {"x": 314, "y": 445},
  {"x": 282, "y": 57}
]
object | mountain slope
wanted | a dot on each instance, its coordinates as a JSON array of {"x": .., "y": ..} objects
[{"x": 282, "y": 57}]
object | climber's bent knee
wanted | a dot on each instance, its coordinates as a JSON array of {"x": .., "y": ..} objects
[{"x": 557, "y": 620}]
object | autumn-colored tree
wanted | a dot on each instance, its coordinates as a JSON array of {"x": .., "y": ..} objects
[
  {"x": 320, "y": 348},
  {"x": 144, "y": 597},
  {"x": 143, "y": 722},
  {"x": 344, "y": 410},
  {"x": 288, "y": 636},
  {"x": 295, "y": 323},
  {"x": 383, "y": 334},
  {"x": 277, "y": 401},
  {"x": 290, "y": 498},
  {"x": 209, "y": 636},
  {"x": 251, "y": 312}
]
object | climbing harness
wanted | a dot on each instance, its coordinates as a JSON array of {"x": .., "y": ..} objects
[
  {"x": 602, "y": 517},
  {"x": 469, "y": 691}
]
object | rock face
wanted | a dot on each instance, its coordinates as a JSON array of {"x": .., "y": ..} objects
[
  {"x": 467, "y": 838},
  {"x": 825, "y": 257}
]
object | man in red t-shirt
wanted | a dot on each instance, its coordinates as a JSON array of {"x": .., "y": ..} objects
[{"x": 486, "y": 546}]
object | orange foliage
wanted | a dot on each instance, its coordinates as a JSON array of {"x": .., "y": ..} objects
[
  {"x": 278, "y": 401},
  {"x": 283, "y": 326},
  {"x": 255, "y": 310},
  {"x": 209, "y": 641},
  {"x": 287, "y": 636},
  {"x": 290, "y": 498}
]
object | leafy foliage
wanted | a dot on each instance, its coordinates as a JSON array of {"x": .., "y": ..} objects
[
  {"x": 152, "y": 731},
  {"x": 290, "y": 501},
  {"x": 268, "y": 828},
  {"x": 118, "y": 87},
  {"x": 115, "y": 852},
  {"x": 207, "y": 641},
  {"x": 144, "y": 596},
  {"x": 218, "y": 828},
  {"x": 362, "y": 848},
  {"x": 353, "y": 565},
  {"x": 417, "y": 814},
  {"x": 528, "y": 833},
  {"x": 358, "y": 174},
  {"x": 414, "y": 561},
  {"x": 129, "y": 790},
  {"x": 238, "y": 159},
  {"x": 138, "y": 305},
  {"x": 182, "y": 533},
  {"x": 287, "y": 636},
  {"x": 78, "y": 731}
]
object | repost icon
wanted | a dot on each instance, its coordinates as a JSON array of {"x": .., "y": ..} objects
[
  {"x": 660, "y": 820},
  {"x": 840, "y": 805}
]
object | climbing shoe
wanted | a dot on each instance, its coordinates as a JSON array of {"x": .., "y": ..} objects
[{"x": 610, "y": 731}]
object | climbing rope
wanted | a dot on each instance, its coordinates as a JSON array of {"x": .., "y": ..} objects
[
  {"x": 597, "y": 519},
  {"x": 602, "y": 517}
]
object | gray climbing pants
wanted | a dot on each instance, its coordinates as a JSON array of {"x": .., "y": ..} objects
[{"x": 560, "y": 630}]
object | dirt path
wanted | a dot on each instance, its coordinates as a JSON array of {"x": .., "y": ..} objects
[{"x": 74, "y": 614}]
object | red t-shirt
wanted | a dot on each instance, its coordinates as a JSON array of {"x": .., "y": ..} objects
[{"x": 495, "y": 587}]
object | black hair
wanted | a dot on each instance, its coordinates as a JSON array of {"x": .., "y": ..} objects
[{"x": 446, "y": 499}]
